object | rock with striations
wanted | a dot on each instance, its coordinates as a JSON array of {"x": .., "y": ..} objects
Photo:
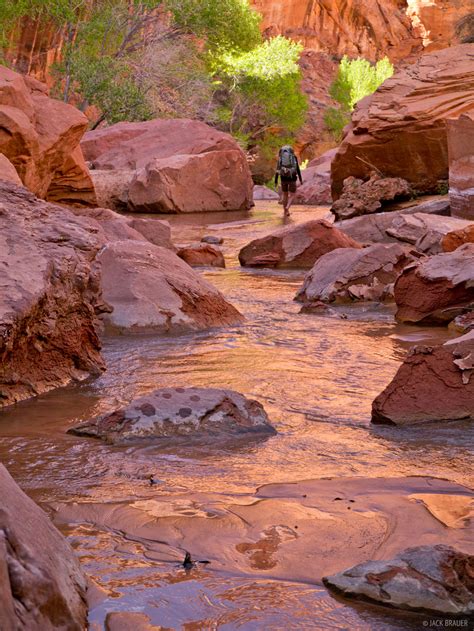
[
  {"x": 40, "y": 136},
  {"x": 348, "y": 274},
  {"x": 152, "y": 290},
  {"x": 202, "y": 255},
  {"x": 453, "y": 240},
  {"x": 434, "y": 383},
  {"x": 168, "y": 166},
  {"x": 424, "y": 231},
  {"x": 186, "y": 413},
  {"x": 316, "y": 187},
  {"x": 461, "y": 165},
  {"x": 297, "y": 246},
  {"x": 437, "y": 289},
  {"x": 50, "y": 296},
  {"x": 42, "y": 587},
  {"x": 433, "y": 578},
  {"x": 364, "y": 198},
  {"x": 401, "y": 128}
]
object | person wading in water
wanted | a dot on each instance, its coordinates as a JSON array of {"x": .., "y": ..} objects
[{"x": 288, "y": 170}]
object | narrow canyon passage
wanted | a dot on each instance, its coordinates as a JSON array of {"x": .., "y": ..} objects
[{"x": 316, "y": 377}]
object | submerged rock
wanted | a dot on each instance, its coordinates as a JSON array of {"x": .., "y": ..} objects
[
  {"x": 42, "y": 586},
  {"x": 169, "y": 166},
  {"x": 364, "y": 198},
  {"x": 436, "y": 579},
  {"x": 181, "y": 413},
  {"x": 202, "y": 255},
  {"x": 50, "y": 297},
  {"x": 349, "y": 274},
  {"x": 153, "y": 290},
  {"x": 433, "y": 384},
  {"x": 437, "y": 289},
  {"x": 297, "y": 246}
]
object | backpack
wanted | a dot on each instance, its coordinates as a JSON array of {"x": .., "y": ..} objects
[{"x": 288, "y": 164}]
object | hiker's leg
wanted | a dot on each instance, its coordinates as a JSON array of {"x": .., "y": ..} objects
[
  {"x": 291, "y": 197},
  {"x": 285, "y": 200}
]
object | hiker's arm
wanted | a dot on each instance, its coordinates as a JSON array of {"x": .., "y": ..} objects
[{"x": 298, "y": 171}]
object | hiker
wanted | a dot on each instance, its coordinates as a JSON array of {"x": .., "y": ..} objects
[{"x": 288, "y": 170}]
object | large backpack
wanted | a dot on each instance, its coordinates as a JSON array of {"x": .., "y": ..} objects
[{"x": 288, "y": 164}]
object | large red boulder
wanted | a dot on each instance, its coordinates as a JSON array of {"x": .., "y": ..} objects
[
  {"x": 40, "y": 137},
  {"x": 297, "y": 246},
  {"x": 401, "y": 128},
  {"x": 42, "y": 586},
  {"x": 436, "y": 289},
  {"x": 169, "y": 166},
  {"x": 461, "y": 165},
  {"x": 50, "y": 296},
  {"x": 433, "y": 384}
]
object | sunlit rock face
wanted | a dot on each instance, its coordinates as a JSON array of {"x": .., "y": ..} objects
[
  {"x": 353, "y": 27},
  {"x": 442, "y": 23}
]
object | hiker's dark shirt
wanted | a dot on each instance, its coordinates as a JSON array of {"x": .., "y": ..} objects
[{"x": 289, "y": 179}]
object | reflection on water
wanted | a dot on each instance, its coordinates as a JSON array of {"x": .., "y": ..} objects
[{"x": 316, "y": 377}]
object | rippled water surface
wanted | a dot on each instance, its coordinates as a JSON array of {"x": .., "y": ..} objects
[{"x": 316, "y": 377}]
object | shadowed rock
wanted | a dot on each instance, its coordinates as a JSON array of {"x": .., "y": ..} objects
[
  {"x": 42, "y": 586},
  {"x": 437, "y": 289},
  {"x": 181, "y": 412},
  {"x": 436, "y": 579},
  {"x": 433, "y": 384}
]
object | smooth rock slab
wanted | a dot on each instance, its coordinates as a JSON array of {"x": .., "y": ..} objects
[
  {"x": 424, "y": 231},
  {"x": 438, "y": 288},
  {"x": 297, "y": 246},
  {"x": 349, "y": 274},
  {"x": 152, "y": 290},
  {"x": 42, "y": 587},
  {"x": 181, "y": 412},
  {"x": 433, "y": 384},
  {"x": 429, "y": 578}
]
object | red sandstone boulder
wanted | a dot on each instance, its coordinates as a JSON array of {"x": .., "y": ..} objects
[
  {"x": 8, "y": 172},
  {"x": 152, "y": 290},
  {"x": 263, "y": 193},
  {"x": 202, "y": 254},
  {"x": 40, "y": 136},
  {"x": 436, "y": 289},
  {"x": 297, "y": 246},
  {"x": 363, "y": 198},
  {"x": 42, "y": 586},
  {"x": 436, "y": 579},
  {"x": 461, "y": 165},
  {"x": 174, "y": 413},
  {"x": 316, "y": 187},
  {"x": 433, "y": 384},
  {"x": 453, "y": 240},
  {"x": 50, "y": 296},
  {"x": 348, "y": 274},
  {"x": 174, "y": 165},
  {"x": 155, "y": 231},
  {"x": 401, "y": 128}
]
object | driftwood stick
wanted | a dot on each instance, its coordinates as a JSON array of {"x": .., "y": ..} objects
[{"x": 370, "y": 165}]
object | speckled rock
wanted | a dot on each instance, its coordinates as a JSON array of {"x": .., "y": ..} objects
[
  {"x": 189, "y": 413},
  {"x": 435, "y": 578}
]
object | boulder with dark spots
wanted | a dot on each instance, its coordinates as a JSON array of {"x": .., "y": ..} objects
[
  {"x": 434, "y": 383},
  {"x": 348, "y": 274},
  {"x": 435, "y": 579},
  {"x": 364, "y": 198},
  {"x": 181, "y": 413},
  {"x": 202, "y": 255},
  {"x": 437, "y": 289},
  {"x": 297, "y": 246},
  {"x": 453, "y": 240},
  {"x": 50, "y": 298},
  {"x": 42, "y": 587},
  {"x": 152, "y": 290}
]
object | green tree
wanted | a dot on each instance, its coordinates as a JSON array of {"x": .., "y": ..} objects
[{"x": 355, "y": 79}]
